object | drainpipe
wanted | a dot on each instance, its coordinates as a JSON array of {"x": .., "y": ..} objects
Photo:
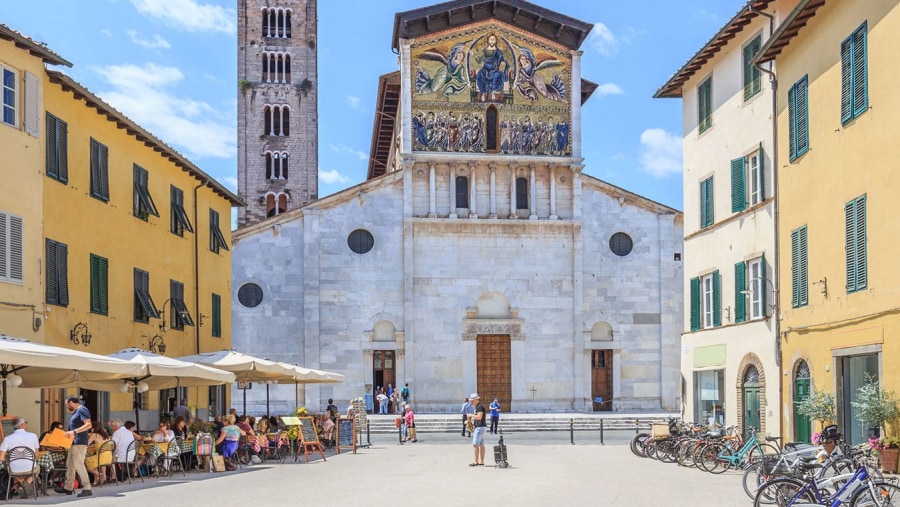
[
  {"x": 197, "y": 269},
  {"x": 774, "y": 80}
]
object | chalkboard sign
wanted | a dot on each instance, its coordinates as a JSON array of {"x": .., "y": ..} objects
[
  {"x": 308, "y": 430},
  {"x": 346, "y": 430},
  {"x": 7, "y": 426}
]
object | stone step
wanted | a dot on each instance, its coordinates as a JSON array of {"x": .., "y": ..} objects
[{"x": 446, "y": 423}]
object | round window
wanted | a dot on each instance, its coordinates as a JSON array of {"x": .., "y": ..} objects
[
  {"x": 250, "y": 295},
  {"x": 360, "y": 241},
  {"x": 621, "y": 244}
]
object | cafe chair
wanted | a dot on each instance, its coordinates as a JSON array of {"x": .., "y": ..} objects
[
  {"x": 172, "y": 457},
  {"x": 130, "y": 463},
  {"x": 205, "y": 449},
  {"x": 58, "y": 472},
  {"x": 21, "y": 458},
  {"x": 272, "y": 449}
]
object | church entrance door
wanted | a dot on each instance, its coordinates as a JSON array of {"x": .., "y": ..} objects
[
  {"x": 383, "y": 369},
  {"x": 494, "y": 364},
  {"x": 601, "y": 380}
]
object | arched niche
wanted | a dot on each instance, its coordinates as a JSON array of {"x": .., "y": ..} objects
[
  {"x": 383, "y": 331},
  {"x": 492, "y": 305},
  {"x": 601, "y": 332}
]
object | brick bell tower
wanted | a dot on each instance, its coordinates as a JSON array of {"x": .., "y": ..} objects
[{"x": 277, "y": 107}]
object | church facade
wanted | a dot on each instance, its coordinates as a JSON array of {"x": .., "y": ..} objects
[{"x": 477, "y": 256}]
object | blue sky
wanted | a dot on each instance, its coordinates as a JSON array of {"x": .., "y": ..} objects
[{"x": 171, "y": 66}]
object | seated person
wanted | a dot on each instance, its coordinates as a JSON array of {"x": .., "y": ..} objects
[
  {"x": 93, "y": 461},
  {"x": 229, "y": 437},
  {"x": 55, "y": 425},
  {"x": 123, "y": 436},
  {"x": 163, "y": 433},
  {"x": 327, "y": 433},
  {"x": 262, "y": 427},
  {"x": 21, "y": 438},
  {"x": 244, "y": 425}
]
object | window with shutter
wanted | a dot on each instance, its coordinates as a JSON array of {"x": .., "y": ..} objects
[
  {"x": 57, "y": 148},
  {"x": 144, "y": 308},
  {"x": 855, "y": 233},
  {"x": 798, "y": 119},
  {"x": 717, "y": 299},
  {"x": 216, "y": 240},
  {"x": 143, "y": 201},
  {"x": 11, "y": 248},
  {"x": 854, "y": 87},
  {"x": 99, "y": 171},
  {"x": 57, "y": 259},
  {"x": 179, "y": 221},
  {"x": 707, "y": 203},
  {"x": 738, "y": 188},
  {"x": 10, "y": 86},
  {"x": 180, "y": 315},
  {"x": 757, "y": 288},
  {"x": 707, "y": 301},
  {"x": 756, "y": 177},
  {"x": 32, "y": 104},
  {"x": 695, "y": 304},
  {"x": 704, "y": 104},
  {"x": 799, "y": 273},
  {"x": 216, "y": 316},
  {"x": 752, "y": 81},
  {"x": 740, "y": 296},
  {"x": 99, "y": 285}
]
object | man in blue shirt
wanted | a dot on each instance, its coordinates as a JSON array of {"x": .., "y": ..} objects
[
  {"x": 79, "y": 426},
  {"x": 495, "y": 415}
]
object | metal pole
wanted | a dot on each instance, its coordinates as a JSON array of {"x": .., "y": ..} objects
[
  {"x": 601, "y": 432},
  {"x": 245, "y": 400},
  {"x": 399, "y": 431},
  {"x": 637, "y": 425},
  {"x": 267, "y": 399},
  {"x": 4, "y": 395},
  {"x": 571, "y": 431},
  {"x": 368, "y": 435}
]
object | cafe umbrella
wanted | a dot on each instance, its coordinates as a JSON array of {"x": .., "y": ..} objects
[
  {"x": 27, "y": 364},
  {"x": 160, "y": 372}
]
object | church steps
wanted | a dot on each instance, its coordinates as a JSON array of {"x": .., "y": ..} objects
[{"x": 452, "y": 423}]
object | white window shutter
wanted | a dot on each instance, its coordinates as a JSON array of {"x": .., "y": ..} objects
[
  {"x": 15, "y": 248},
  {"x": 32, "y": 104},
  {"x": 4, "y": 247}
]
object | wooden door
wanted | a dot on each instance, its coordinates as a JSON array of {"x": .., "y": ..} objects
[
  {"x": 494, "y": 369},
  {"x": 601, "y": 380},
  {"x": 751, "y": 408},
  {"x": 802, "y": 423},
  {"x": 54, "y": 407},
  {"x": 383, "y": 369}
]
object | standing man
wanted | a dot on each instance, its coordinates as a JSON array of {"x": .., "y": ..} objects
[
  {"x": 495, "y": 415},
  {"x": 182, "y": 410},
  {"x": 333, "y": 412},
  {"x": 21, "y": 438},
  {"x": 465, "y": 411},
  {"x": 79, "y": 426},
  {"x": 478, "y": 435},
  {"x": 404, "y": 393}
]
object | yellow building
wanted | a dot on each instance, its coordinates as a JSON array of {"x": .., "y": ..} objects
[
  {"x": 21, "y": 143},
  {"x": 109, "y": 238},
  {"x": 836, "y": 132}
]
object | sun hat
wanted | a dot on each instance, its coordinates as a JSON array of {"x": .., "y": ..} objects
[{"x": 474, "y": 396}]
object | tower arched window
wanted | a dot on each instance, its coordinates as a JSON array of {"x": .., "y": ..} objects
[
  {"x": 276, "y": 165},
  {"x": 267, "y": 121},
  {"x": 521, "y": 193},
  {"x": 276, "y": 204},
  {"x": 277, "y": 119},
  {"x": 462, "y": 192},
  {"x": 276, "y": 23},
  {"x": 282, "y": 203},
  {"x": 286, "y": 68},
  {"x": 270, "y": 206}
]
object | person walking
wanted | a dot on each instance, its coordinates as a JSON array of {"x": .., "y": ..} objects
[
  {"x": 495, "y": 415},
  {"x": 465, "y": 410},
  {"x": 478, "y": 420},
  {"x": 404, "y": 393},
  {"x": 410, "y": 419},
  {"x": 79, "y": 426}
]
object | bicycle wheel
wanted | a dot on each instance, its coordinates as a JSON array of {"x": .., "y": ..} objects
[
  {"x": 637, "y": 444},
  {"x": 757, "y": 453},
  {"x": 685, "y": 455},
  {"x": 757, "y": 474},
  {"x": 723, "y": 460},
  {"x": 709, "y": 458},
  {"x": 876, "y": 494},
  {"x": 665, "y": 451},
  {"x": 782, "y": 492}
]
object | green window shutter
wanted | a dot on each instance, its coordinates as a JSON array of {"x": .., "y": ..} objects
[
  {"x": 792, "y": 122},
  {"x": 738, "y": 187},
  {"x": 802, "y": 117},
  {"x": 707, "y": 215},
  {"x": 846, "y": 79},
  {"x": 804, "y": 268},
  {"x": 216, "y": 315},
  {"x": 51, "y": 286},
  {"x": 850, "y": 244},
  {"x": 762, "y": 173},
  {"x": 740, "y": 299},
  {"x": 862, "y": 270},
  {"x": 763, "y": 285},
  {"x": 703, "y": 204},
  {"x": 99, "y": 285},
  {"x": 52, "y": 147},
  {"x": 695, "y": 304},
  {"x": 62, "y": 270},
  {"x": 795, "y": 268},
  {"x": 717, "y": 298},
  {"x": 860, "y": 71},
  {"x": 752, "y": 81},
  {"x": 704, "y": 104}
]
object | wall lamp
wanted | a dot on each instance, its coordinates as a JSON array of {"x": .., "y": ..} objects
[
  {"x": 80, "y": 334},
  {"x": 157, "y": 344},
  {"x": 754, "y": 288},
  {"x": 184, "y": 315}
]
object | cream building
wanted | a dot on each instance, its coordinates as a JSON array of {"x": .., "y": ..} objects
[
  {"x": 477, "y": 256},
  {"x": 729, "y": 360}
]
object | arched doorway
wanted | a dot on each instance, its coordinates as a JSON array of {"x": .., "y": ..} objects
[
  {"x": 802, "y": 423},
  {"x": 750, "y": 399}
]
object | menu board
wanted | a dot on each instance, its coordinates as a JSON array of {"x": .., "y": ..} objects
[
  {"x": 308, "y": 430},
  {"x": 346, "y": 434},
  {"x": 6, "y": 426}
]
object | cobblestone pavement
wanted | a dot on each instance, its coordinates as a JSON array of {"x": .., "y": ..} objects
[{"x": 435, "y": 472}]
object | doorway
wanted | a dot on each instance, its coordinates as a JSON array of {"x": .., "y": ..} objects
[
  {"x": 750, "y": 397},
  {"x": 854, "y": 370},
  {"x": 383, "y": 373},
  {"x": 494, "y": 364},
  {"x": 802, "y": 423},
  {"x": 601, "y": 380}
]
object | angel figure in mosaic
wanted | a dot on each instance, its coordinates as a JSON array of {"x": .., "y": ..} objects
[
  {"x": 531, "y": 85},
  {"x": 450, "y": 79}
]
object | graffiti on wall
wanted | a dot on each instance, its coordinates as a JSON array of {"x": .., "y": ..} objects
[{"x": 490, "y": 88}]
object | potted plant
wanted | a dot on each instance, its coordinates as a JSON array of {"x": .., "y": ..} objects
[
  {"x": 819, "y": 406},
  {"x": 888, "y": 450},
  {"x": 875, "y": 405}
]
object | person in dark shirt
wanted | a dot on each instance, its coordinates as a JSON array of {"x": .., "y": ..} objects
[
  {"x": 478, "y": 420},
  {"x": 79, "y": 426}
]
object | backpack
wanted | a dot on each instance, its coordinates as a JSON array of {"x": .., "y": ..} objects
[{"x": 404, "y": 392}]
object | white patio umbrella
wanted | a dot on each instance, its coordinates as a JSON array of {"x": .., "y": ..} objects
[
  {"x": 308, "y": 376},
  {"x": 27, "y": 364},
  {"x": 160, "y": 372}
]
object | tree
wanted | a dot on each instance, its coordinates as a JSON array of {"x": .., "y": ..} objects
[
  {"x": 819, "y": 406},
  {"x": 875, "y": 405}
]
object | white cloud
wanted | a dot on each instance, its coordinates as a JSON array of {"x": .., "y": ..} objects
[
  {"x": 603, "y": 40},
  {"x": 331, "y": 177},
  {"x": 608, "y": 89},
  {"x": 230, "y": 182},
  {"x": 142, "y": 94},
  {"x": 106, "y": 32},
  {"x": 661, "y": 153},
  {"x": 346, "y": 149},
  {"x": 189, "y": 15},
  {"x": 157, "y": 42},
  {"x": 353, "y": 101}
]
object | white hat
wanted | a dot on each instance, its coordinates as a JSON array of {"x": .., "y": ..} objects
[{"x": 474, "y": 396}]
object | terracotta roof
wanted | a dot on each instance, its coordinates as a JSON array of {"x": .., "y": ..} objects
[
  {"x": 386, "y": 111},
  {"x": 672, "y": 88},
  {"x": 551, "y": 25},
  {"x": 123, "y": 122},
  {"x": 35, "y": 48},
  {"x": 791, "y": 26}
]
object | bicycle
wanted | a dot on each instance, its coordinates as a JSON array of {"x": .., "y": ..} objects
[{"x": 720, "y": 456}]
